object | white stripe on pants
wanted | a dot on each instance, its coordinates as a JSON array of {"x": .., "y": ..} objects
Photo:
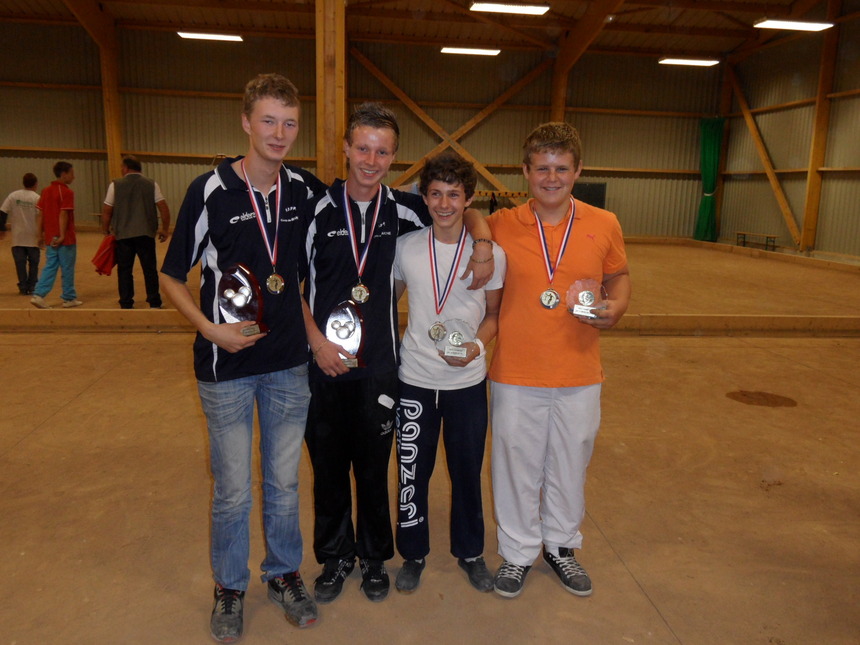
[{"x": 542, "y": 442}]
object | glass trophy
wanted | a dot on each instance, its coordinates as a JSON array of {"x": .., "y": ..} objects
[
  {"x": 240, "y": 298},
  {"x": 344, "y": 328},
  {"x": 457, "y": 334},
  {"x": 584, "y": 297}
]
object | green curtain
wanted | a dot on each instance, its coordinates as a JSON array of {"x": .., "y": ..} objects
[{"x": 706, "y": 224}]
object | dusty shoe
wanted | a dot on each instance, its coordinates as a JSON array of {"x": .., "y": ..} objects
[
  {"x": 510, "y": 579},
  {"x": 68, "y": 304},
  {"x": 374, "y": 579},
  {"x": 288, "y": 591},
  {"x": 39, "y": 302},
  {"x": 479, "y": 576},
  {"x": 329, "y": 584},
  {"x": 569, "y": 571},
  {"x": 409, "y": 576},
  {"x": 227, "y": 622}
]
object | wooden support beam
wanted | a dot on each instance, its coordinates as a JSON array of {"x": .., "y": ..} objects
[
  {"x": 571, "y": 48},
  {"x": 330, "y": 88},
  {"x": 778, "y": 193},
  {"x": 426, "y": 119},
  {"x": 820, "y": 128},
  {"x": 101, "y": 28},
  {"x": 460, "y": 132}
]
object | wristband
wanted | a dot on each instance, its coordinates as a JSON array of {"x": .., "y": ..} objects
[
  {"x": 489, "y": 259},
  {"x": 319, "y": 347},
  {"x": 481, "y": 239},
  {"x": 480, "y": 345}
]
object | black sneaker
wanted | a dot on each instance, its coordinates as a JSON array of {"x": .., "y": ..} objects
[
  {"x": 288, "y": 591},
  {"x": 226, "y": 623},
  {"x": 409, "y": 576},
  {"x": 375, "y": 581},
  {"x": 510, "y": 579},
  {"x": 569, "y": 571},
  {"x": 329, "y": 584},
  {"x": 479, "y": 576}
]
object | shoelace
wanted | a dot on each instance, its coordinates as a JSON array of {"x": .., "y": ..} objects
[
  {"x": 227, "y": 601},
  {"x": 293, "y": 585},
  {"x": 569, "y": 566},
  {"x": 373, "y": 572},
  {"x": 511, "y": 570}
]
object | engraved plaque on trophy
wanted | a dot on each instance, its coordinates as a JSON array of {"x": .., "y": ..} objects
[
  {"x": 240, "y": 298},
  {"x": 457, "y": 334},
  {"x": 584, "y": 297},
  {"x": 344, "y": 328}
]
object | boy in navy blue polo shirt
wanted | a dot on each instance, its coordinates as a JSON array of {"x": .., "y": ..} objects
[{"x": 249, "y": 210}]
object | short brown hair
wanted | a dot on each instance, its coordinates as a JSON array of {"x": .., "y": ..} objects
[
  {"x": 450, "y": 168},
  {"x": 373, "y": 115},
  {"x": 30, "y": 180},
  {"x": 60, "y": 167},
  {"x": 269, "y": 86},
  {"x": 555, "y": 136}
]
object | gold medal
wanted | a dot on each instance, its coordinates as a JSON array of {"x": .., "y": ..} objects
[
  {"x": 360, "y": 293},
  {"x": 549, "y": 299},
  {"x": 275, "y": 284}
]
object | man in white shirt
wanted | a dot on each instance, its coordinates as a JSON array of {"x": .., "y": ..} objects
[{"x": 19, "y": 212}]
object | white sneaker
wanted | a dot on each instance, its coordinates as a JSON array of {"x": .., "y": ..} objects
[
  {"x": 72, "y": 303},
  {"x": 39, "y": 301}
]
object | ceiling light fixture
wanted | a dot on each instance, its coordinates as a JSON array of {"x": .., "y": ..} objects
[
  {"x": 499, "y": 7},
  {"x": 197, "y": 36},
  {"x": 470, "y": 50},
  {"x": 795, "y": 25},
  {"x": 695, "y": 62}
]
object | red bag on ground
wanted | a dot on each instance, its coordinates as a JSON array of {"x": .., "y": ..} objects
[{"x": 105, "y": 257}]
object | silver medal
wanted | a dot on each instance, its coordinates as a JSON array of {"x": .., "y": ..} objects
[
  {"x": 360, "y": 293},
  {"x": 437, "y": 331}
]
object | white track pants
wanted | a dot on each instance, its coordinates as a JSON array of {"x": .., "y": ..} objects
[{"x": 542, "y": 442}]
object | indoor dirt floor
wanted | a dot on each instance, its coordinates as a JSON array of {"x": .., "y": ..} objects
[{"x": 723, "y": 498}]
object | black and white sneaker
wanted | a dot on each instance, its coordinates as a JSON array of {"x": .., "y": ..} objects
[
  {"x": 329, "y": 584},
  {"x": 227, "y": 620},
  {"x": 289, "y": 593},
  {"x": 510, "y": 579},
  {"x": 569, "y": 571},
  {"x": 375, "y": 582}
]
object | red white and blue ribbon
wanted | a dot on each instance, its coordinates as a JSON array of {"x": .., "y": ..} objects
[
  {"x": 551, "y": 268},
  {"x": 360, "y": 262},
  {"x": 441, "y": 295},
  {"x": 271, "y": 249}
]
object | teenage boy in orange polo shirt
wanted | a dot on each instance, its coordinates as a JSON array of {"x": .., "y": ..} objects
[{"x": 546, "y": 374}]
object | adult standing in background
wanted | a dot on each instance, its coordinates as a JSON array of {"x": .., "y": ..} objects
[
  {"x": 19, "y": 211},
  {"x": 131, "y": 211},
  {"x": 56, "y": 224}
]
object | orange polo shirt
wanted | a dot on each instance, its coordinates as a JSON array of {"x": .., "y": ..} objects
[{"x": 540, "y": 347}]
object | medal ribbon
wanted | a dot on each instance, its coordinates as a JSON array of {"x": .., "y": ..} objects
[
  {"x": 441, "y": 297},
  {"x": 360, "y": 262},
  {"x": 270, "y": 249},
  {"x": 550, "y": 268}
]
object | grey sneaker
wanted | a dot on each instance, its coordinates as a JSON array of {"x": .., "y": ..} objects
[
  {"x": 226, "y": 623},
  {"x": 329, "y": 584},
  {"x": 409, "y": 576},
  {"x": 39, "y": 302},
  {"x": 569, "y": 571},
  {"x": 288, "y": 591},
  {"x": 479, "y": 576},
  {"x": 374, "y": 580},
  {"x": 510, "y": 579},
  {"x": 68, "y": 304}
]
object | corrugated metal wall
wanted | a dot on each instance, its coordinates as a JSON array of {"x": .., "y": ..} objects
[{"x": 649, "y": 162}]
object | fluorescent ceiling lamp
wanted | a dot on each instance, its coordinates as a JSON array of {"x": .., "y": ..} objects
[
  {"x": 196, "y": 36},
  {"x": 796, "y": 25},
  {"x": 695, "y": 62},
  {"x": 468, "y": 50},
  {"x": 498, "y": 7}
]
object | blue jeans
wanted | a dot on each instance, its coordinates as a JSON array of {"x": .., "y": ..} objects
[
  {"x": 62, "y": 258},
  {"x": 282, "y": 406}
]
